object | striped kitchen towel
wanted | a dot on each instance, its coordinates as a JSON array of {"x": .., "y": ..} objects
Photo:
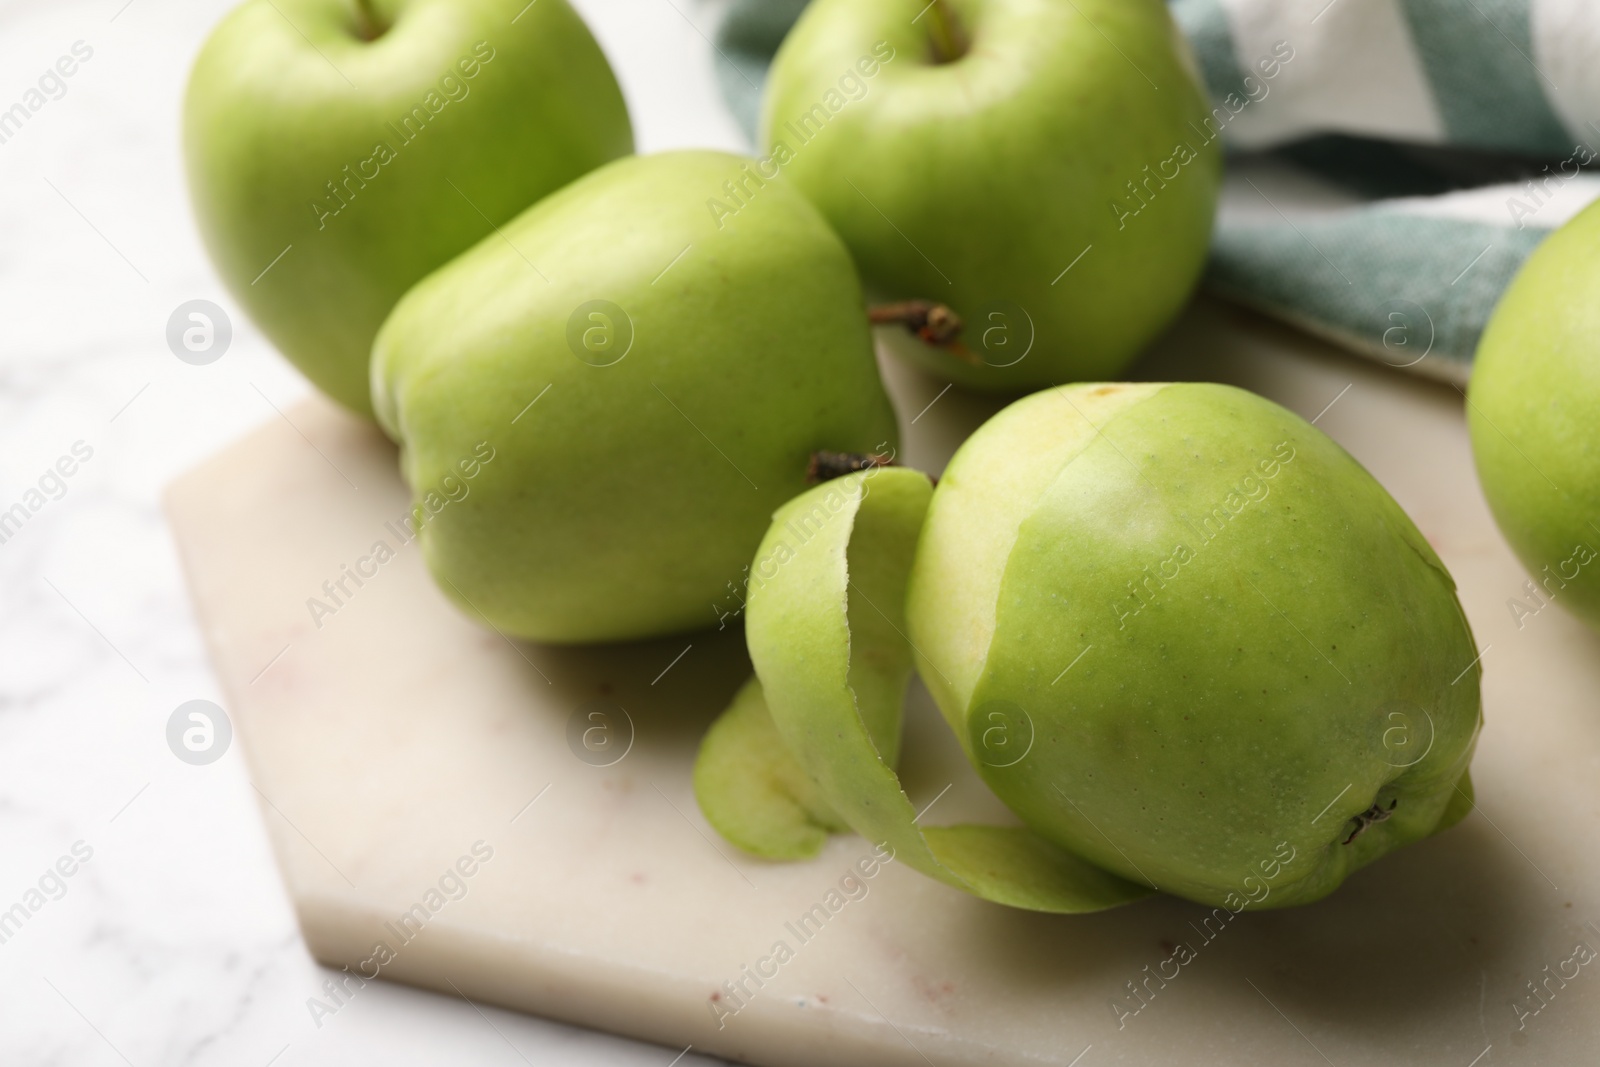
[{"x": 1392, "y": 162}]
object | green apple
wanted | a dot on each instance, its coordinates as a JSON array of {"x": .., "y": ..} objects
[
  {"x": 650, "y": 384},
  {"x": 1186, "y": 638},
  {"x": 1048, "y": 170},
  {"x": 340, "y": 150},
  {"x": 1535, "y": 420}
]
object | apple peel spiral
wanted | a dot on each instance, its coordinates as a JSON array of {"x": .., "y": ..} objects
[{"x": 1188, "y": 640}]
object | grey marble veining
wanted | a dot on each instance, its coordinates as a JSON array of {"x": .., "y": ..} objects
[{"x": 175, "y": 943}]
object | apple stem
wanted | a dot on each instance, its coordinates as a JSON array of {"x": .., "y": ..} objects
[
  {"x": 949, "y": 43},
  {"x": 368, "y": 25},
  {"x": 935, "y": 324},
  {"x": 826, "y": 466}
]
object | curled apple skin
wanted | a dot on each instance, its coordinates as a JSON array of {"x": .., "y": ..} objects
[
  {"x": 1181, "y": 634},
  {"x": 826, "y": 631}
]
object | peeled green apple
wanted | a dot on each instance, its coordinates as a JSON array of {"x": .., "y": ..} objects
[
  {"x": 651, "y": 386},
  {"x": 339, "y": 150},
  {"x": 1535, "y": 420},
  {"x": 1047, "y": 170},
  {"x": 1179, "y": 632}
]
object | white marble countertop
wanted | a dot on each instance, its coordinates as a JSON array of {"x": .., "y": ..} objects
[
  {"x": 174, "y": 943},
  {"x": 172, "y": 940}
]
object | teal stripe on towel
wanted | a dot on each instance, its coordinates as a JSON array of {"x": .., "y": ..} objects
[
  {"x": 1206, "y": 26},
  {"x": 746, "y": 41},
  {"x": 1390, "y": 284},
  {"x": 1478, "y": 55}
]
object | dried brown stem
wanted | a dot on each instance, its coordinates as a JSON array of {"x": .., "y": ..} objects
[
  {"x": 826, "y": 466},
  {"x": 934, "y": 323}
]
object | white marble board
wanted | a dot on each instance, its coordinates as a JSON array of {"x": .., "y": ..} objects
[{"x": 387, "y": 742}]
